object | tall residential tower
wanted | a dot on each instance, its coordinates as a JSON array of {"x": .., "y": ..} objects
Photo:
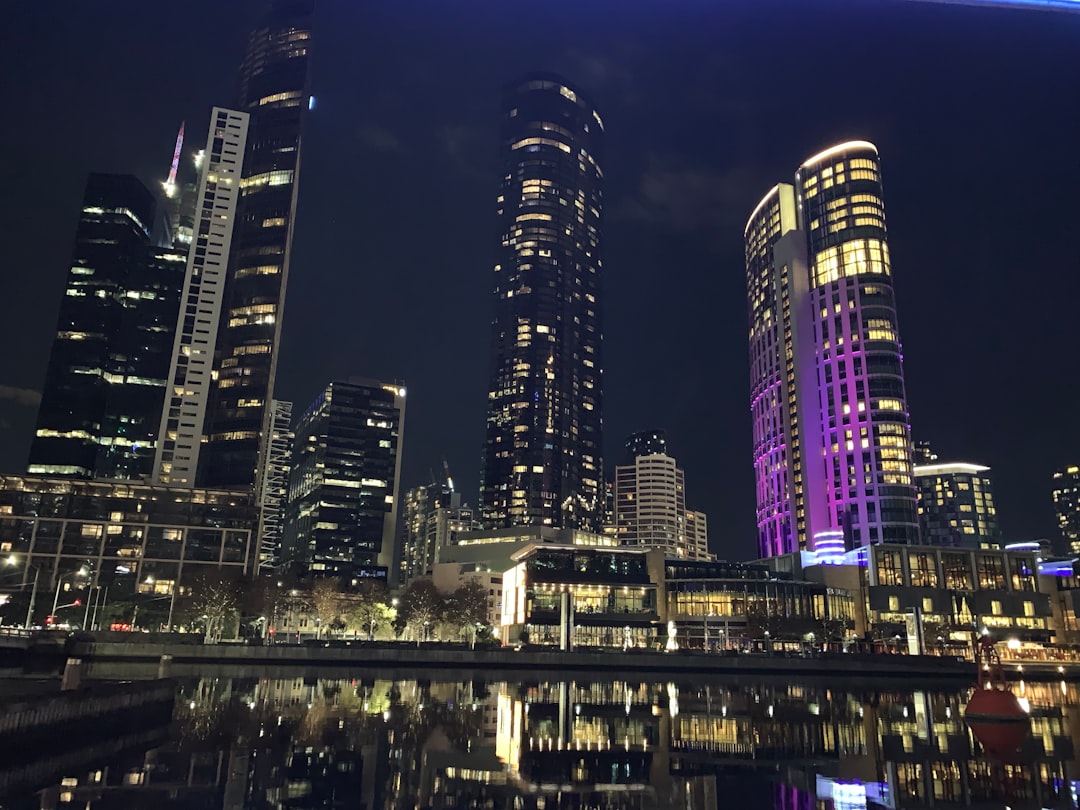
[
  {"x": 650, "y": 501},
  {"x": 832, "y": 442},
  {"x": 190, "y": 375},
  {"x": 542, "y": 453},
  {"x": 1066, "y": 495},
  {"x": 274, "y": 92}
]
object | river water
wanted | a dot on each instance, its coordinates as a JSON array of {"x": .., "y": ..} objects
[{"x": 320, "y": 741}]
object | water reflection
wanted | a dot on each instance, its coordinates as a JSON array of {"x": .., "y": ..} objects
[{"x": 541, "y": 745}]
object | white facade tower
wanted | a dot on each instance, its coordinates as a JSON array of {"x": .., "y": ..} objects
[{"x": 180, "y": 435}]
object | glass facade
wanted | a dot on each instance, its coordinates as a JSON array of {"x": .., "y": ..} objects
[
  {"x": 274, "y": 91},
  {"x": 956, "y": 593},
  {"x": 73, "y": 537},
  {"x": 542, "y": 452},
  {"x": 956, "y": 506},
  {"x": 343, "y": 486},
  {"x": 865, "y": 425},
  {"x": 105, "y": 383},
  {"x": 1066, "y": 495},
  {"x": 826, "y": 366}
]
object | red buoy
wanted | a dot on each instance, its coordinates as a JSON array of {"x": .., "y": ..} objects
[{"x": 995, "y": 716}]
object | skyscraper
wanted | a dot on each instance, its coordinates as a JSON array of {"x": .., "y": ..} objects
[
  {"x": 196, "y": 330},
  {"x": 1066, "y": 494},
  {"x": 956, "y": 505},
  {"x": 343, "y": 486},
  {"x": 107, "y": 371},
  {"x": 542, "y": 452},
  {"x": 650, "y": 501},
  {"x": 431, "y": 516},
  {"x": 274, "y": 92},
  {"x": 832, "y": 442},
  {"x": 274, "y": 491}
]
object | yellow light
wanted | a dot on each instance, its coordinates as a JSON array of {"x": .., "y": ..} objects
[{"x": 839, "y": 148}]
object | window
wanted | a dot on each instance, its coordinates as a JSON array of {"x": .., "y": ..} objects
[
  {"x": 890, "y": 570},
  {"x": 923, "y": 569},
  {"x": 991, "y": 571},
  {"x": 957, "y": 571}
]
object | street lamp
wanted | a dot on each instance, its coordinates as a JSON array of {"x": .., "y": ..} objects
[
  {"x": 82, "y": 572},
  {"x": 13, "y": 560}
]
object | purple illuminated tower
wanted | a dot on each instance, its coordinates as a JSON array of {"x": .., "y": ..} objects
[{"x": 832, "y": 443}]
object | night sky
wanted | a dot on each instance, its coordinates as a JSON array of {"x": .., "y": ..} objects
[{"x": 707, "y": 103}]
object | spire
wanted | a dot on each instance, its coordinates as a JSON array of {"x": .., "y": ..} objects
[{"x": 170, "y": 184}]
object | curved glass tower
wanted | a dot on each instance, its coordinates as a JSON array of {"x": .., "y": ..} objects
[
  {"x": 542, "y": 463},
  {"x": 832, "y": 442}
]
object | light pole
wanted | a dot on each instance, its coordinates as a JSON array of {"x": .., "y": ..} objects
[
  {"x": 33, "y": 598},
  {"x": 82, "y": 572},
  {"x": 172, "y": 600},
  {"x": 12, "y": 560}
]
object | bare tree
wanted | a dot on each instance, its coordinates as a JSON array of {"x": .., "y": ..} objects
[{"x": 216, "y": 603}]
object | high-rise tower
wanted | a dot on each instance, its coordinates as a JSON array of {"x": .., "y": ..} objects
[
  {"x": 107, "y": 371},
  {"x": 542, "y": 453},
  {"x": 184, "y": 416},
  {"x": 343, "y": 486},
  {"x": 1066, "y": 495},
  {"x": 274, "y": 92},
  {"x": 650, "y": 500},
  {"x": 832, "y": 442}
]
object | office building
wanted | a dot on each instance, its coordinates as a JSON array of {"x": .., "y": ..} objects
[
  {"x": 542, "y": 452},
  {"x": 832, "y": 442},
  {"x": 274, "y": 93},
  {"x": 431, "y": 518},
  {"x": 650, "y": 501},
  {"x": 1066, "y": 495},
  {"x": 131, "y": 546},
  {"x": 956, "y": 505},
  {"x": 343, "y": 486},
  {"x": 196, "y": 330},
  {"x": 107, "y": 371},
  {"x": 645, "y": 443}
]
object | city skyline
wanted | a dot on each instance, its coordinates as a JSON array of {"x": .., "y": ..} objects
[{"x": 673, "y": 316}]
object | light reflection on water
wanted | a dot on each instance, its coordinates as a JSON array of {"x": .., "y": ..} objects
[{"x": 546, "y": 744}]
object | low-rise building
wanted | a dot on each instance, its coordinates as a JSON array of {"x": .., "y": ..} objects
[
  {"x": 573, "y": 596},
  {"x": 732, "y": 605},
  {"x": 75, "y": 542},
  {"x": 933, "y": 598}
]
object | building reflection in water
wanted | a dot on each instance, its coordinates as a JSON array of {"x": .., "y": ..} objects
[{"x": 548, "y": 745}]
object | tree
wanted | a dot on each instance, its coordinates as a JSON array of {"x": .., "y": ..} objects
[
  {"x": 215, "y": 602},
  {"x": 328, "y": 603},
  {"x": 370, "y": 608},
  {"x": 467, "y": 608},
  {"x": 421, "y": 607}
]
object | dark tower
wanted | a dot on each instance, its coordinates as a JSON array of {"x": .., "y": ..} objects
[
  {"x": 644, "y": 443},
  {"x": 105, "y": 383},
  {"x": 274, "y": 92},
  {"x": 542, "y": 463}
]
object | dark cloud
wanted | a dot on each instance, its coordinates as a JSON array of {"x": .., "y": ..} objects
[
  {"x": 688, "y": 198},
  {"x": 378, "y": 139},
  {"x": 26, "y": 397}
]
